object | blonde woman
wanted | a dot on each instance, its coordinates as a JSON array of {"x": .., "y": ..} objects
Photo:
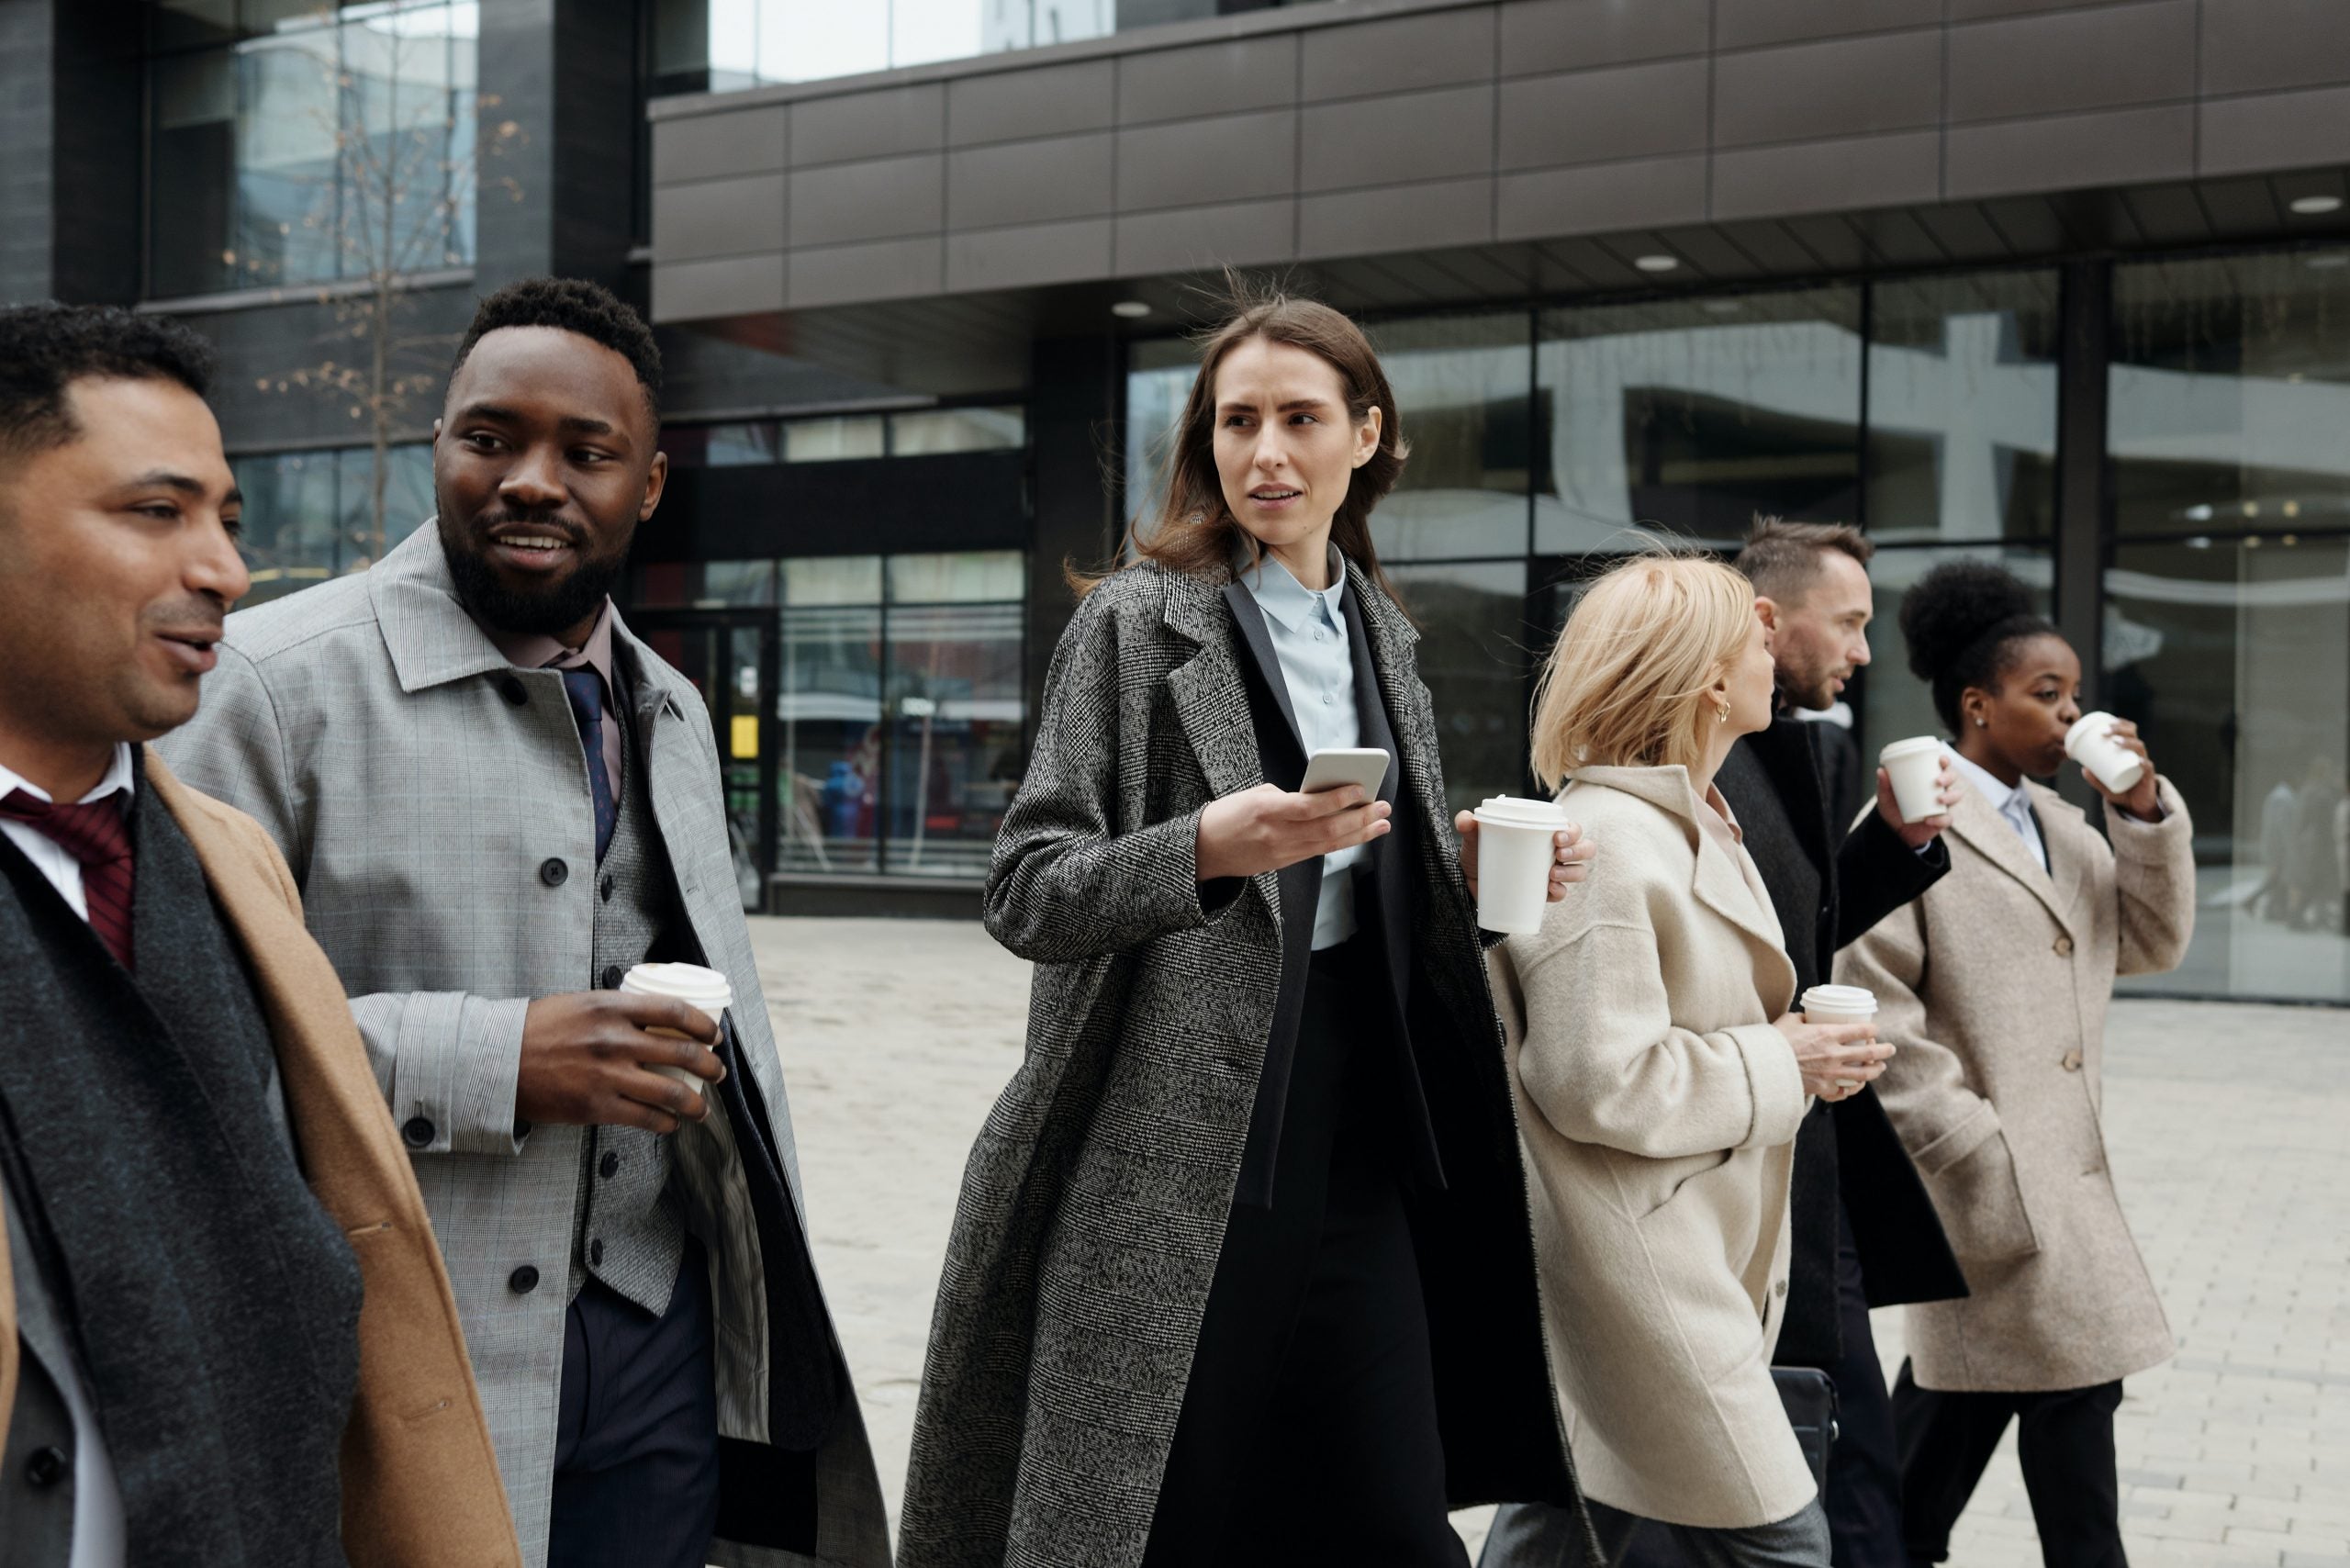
[{"x": 1659, "y": 1079}]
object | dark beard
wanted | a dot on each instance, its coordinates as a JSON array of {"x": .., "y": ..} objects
[{"x": 550, "y": 613}]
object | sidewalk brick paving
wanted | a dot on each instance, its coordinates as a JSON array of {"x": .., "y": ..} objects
[{"x": 2230, "y": 1131}]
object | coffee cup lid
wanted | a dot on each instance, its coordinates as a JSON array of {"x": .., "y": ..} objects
[
  {"x": 1905, "y": 748},
  {"x": 2087, "y": 725},
  {"x": 1513, "y": 811},
  {"x": 706, "y": 989},
  {"x": 1847, "y": 998}
]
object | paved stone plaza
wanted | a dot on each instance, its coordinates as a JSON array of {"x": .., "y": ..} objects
[{"x": 2229, "y": 1129}]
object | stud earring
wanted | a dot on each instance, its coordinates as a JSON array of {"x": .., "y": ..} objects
[{"x": 1982, "y": 724}]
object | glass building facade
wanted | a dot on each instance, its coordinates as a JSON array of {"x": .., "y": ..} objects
[
  {"x": 1926, "y": 410},
  {"x": 299, "y": 142},
  {"x": 312, "y": 515}
]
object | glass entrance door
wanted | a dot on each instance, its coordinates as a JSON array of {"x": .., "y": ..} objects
[{"x": 729, "y": 655}]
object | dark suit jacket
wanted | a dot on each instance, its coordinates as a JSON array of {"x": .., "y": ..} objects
[{"x": 1847, "y": 1153}]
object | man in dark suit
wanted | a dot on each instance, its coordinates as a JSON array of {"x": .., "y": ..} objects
[{"x": 1864, "y": 1231}]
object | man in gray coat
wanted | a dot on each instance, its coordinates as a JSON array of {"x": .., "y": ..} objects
[{"x": 497, "y": 802}]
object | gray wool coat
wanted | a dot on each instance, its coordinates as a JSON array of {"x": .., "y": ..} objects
[
  {"x": 430, "y": 801},
  {"x": 1094, "y": 1201}
]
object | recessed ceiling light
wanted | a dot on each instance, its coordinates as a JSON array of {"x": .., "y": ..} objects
[
  {"x": 1130, "y": 310},
  {"x": 1657, "y": 264},
  {"x": 2316, "y": 206}
]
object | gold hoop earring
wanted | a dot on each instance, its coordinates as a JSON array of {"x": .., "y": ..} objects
[{"x": 1721, "y": 714}]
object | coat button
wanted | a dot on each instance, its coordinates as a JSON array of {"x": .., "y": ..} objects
[
  {"x": 522, "y": 1280},
  {"x": 511, "y": 690},
  {"x": 45, "y": 1467},
  {"x": 2072, "y": 1061},
  {"x": 418, "y": 1132},
  {"x": 1778, "y": 1287},
  {"x": 609, "y": 1166},
  {"x": 612, "y": 976},
  {"x": 553, "y": 872},
  {"x": 2064, "y": 946},
  {"x": 607, "y": 890},
  {"x": 596, "y": 1253}
]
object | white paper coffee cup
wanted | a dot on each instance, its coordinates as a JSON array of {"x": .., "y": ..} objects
[
  {"x": 1916, "y": 767},
  {"x": 1514, "y": 852},
  {"x": 691, "y": 984},
  {"x": 1840, "y": 1005},
  {"x": 2090, "y": 743}
]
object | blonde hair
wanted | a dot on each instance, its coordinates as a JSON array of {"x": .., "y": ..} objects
[{"x": 1625, "y": 683}]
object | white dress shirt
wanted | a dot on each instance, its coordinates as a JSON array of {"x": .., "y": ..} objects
[
  {"x": 1309, "y": 632},
  {"x": 97, "y": 1501},
  {"x": 2012, "y": 804}
]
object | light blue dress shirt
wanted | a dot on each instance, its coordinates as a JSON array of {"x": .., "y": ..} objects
[
  {"x": 1309, "y": 634},
  {"x": 2012, "y": 804}
]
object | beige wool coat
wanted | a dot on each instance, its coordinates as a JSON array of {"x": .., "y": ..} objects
[
  {"x": 1657, "y": 1109},
  {"x": 1994, "y": 986}
]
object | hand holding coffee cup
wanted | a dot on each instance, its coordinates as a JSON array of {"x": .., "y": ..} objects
[
  {"x": 1517, "y": 860},
  {"x": 1571, "y": 861},
  {"x": 593, "y": 1059},
  {"x": 1834, "y": 1040},
  {"x": 2115, "y": 761},
  {"x": 707, "y": 991},
  {"x": 1915, "y": 788}
]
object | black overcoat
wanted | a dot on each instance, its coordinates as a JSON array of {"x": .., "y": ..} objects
[
  {"x": 1828, "y": 887},
  {"x": 1094, "y": 1201}
]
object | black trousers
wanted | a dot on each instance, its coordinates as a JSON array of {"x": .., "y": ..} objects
[
  {"x": 637, "y": 1445},
  {"x": 2065, "y": 1448},
  {"x": 1308, "y": 1432}
]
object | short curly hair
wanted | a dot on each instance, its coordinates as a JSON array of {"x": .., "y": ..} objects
[
  {"x": 1962, "y": 621},
  {"x": 45, "y": 348},
  {"x": 573, "y": 305}
]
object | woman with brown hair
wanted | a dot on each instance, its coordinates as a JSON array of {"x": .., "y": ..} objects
[{"x": 1242, "y": 1268}]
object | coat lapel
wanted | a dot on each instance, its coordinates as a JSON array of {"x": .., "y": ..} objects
[
  {"x": 1258, "y": 639},
  {"x": 2063, "y": 830},
  {"x": 1989, "y": 833},
  {"x": 1210, "y": 702}
]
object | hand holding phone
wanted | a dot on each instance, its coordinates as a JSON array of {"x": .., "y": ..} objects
[{"x": 1365, "y": 767}]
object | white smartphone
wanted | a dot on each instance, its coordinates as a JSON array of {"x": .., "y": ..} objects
[{"x": 1364, "y": 766}]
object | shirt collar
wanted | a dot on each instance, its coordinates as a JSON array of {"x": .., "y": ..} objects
[
  {"x": 1999, "y": 795},
  {"x": 121, "y": 774},
  {"x": 533, "y": 650},
  {"x": 1280, "y": 595}
]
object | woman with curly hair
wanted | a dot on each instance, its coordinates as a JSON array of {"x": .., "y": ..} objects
[{"x": 1994, "y": 985}]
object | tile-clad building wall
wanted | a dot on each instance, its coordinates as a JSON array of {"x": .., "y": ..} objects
[{"x": 1331, "y": 131}]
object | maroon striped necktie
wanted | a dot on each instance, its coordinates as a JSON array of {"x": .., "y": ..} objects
[{"x": 95, "y": 833}]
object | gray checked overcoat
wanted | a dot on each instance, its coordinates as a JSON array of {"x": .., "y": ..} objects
[
  {"x": 426, "y": 797},
  {"x": 1094, "y": 1201}
]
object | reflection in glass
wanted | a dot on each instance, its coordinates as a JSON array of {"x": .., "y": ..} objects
[
  {"x": 957, "y": 429},
  {"x": 725, "y": 45},
  {"x": 954, "y": 706},
  {"x": 1159, "y": 377},
  {"x": 1689, "y": 416},
  {"x": 833, "y": 439},
  {"x": 2230, "y": 393},
  {"x": 309, "y": 516},
  {"x": 1962, "y": 415},
  {"x": 1894, "y": 704},
  {"x": 2234, "y": 656},
  {"x": 309, "y": 142},
  {"x": 828, "y": 706},
  {"x": 1463, "y": 385},
  {"x": 1474, "y": 657}
]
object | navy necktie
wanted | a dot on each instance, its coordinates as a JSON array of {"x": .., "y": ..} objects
[{"x": 586, "y": 690}]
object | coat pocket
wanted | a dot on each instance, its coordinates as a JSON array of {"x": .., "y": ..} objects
[{"x": 1980, "y": 1199}]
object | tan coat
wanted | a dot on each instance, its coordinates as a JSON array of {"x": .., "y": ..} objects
[
  {"x": 420, "y": 1481},
  {"x": 1658, "y": 1108},
  {"x": 1993, "y": 988}
]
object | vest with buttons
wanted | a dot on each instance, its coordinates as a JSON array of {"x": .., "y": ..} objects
[{"x": 631, "y": 1230}]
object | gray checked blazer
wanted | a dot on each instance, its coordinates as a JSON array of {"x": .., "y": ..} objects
[
  {"x": 1094, "y": 1201},
  {"x": 431, "y": 802}
]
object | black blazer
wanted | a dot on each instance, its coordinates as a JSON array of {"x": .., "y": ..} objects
[
  {"x": 1383, "y": 899},
  {"x": 1847, "y": 1154}
]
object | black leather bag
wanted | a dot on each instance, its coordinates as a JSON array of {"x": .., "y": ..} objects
[{"x": 1811, "y": 1398}]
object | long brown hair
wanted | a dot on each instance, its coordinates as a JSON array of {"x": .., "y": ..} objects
[{"x": 1194, "y": 531}]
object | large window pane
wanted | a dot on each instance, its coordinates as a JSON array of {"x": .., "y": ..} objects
[
  {"x": 1689, "y": 416},
  {"x": 1158, "y": 378},
  {"x": 193, "y": 114},
  {"x": 724, "y": 45},
  {"x": 288, "y": 206},
  {"x": 2231, "y": 393},
  {"x": 966, "y": 576},
  {"x": 828, "y": 782},
  {"x": 1962, "y": 410},
  {"x": 957, "y": 429},
  {"x": 309, "y": 516},
  {"x": 955, "y": 707},
  {"x": 368, "y": 532},
  {"x": 2234, "y": 658},
  {"x": 1472, "y": 657},
  {"x": 1463, "y": 389}
]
